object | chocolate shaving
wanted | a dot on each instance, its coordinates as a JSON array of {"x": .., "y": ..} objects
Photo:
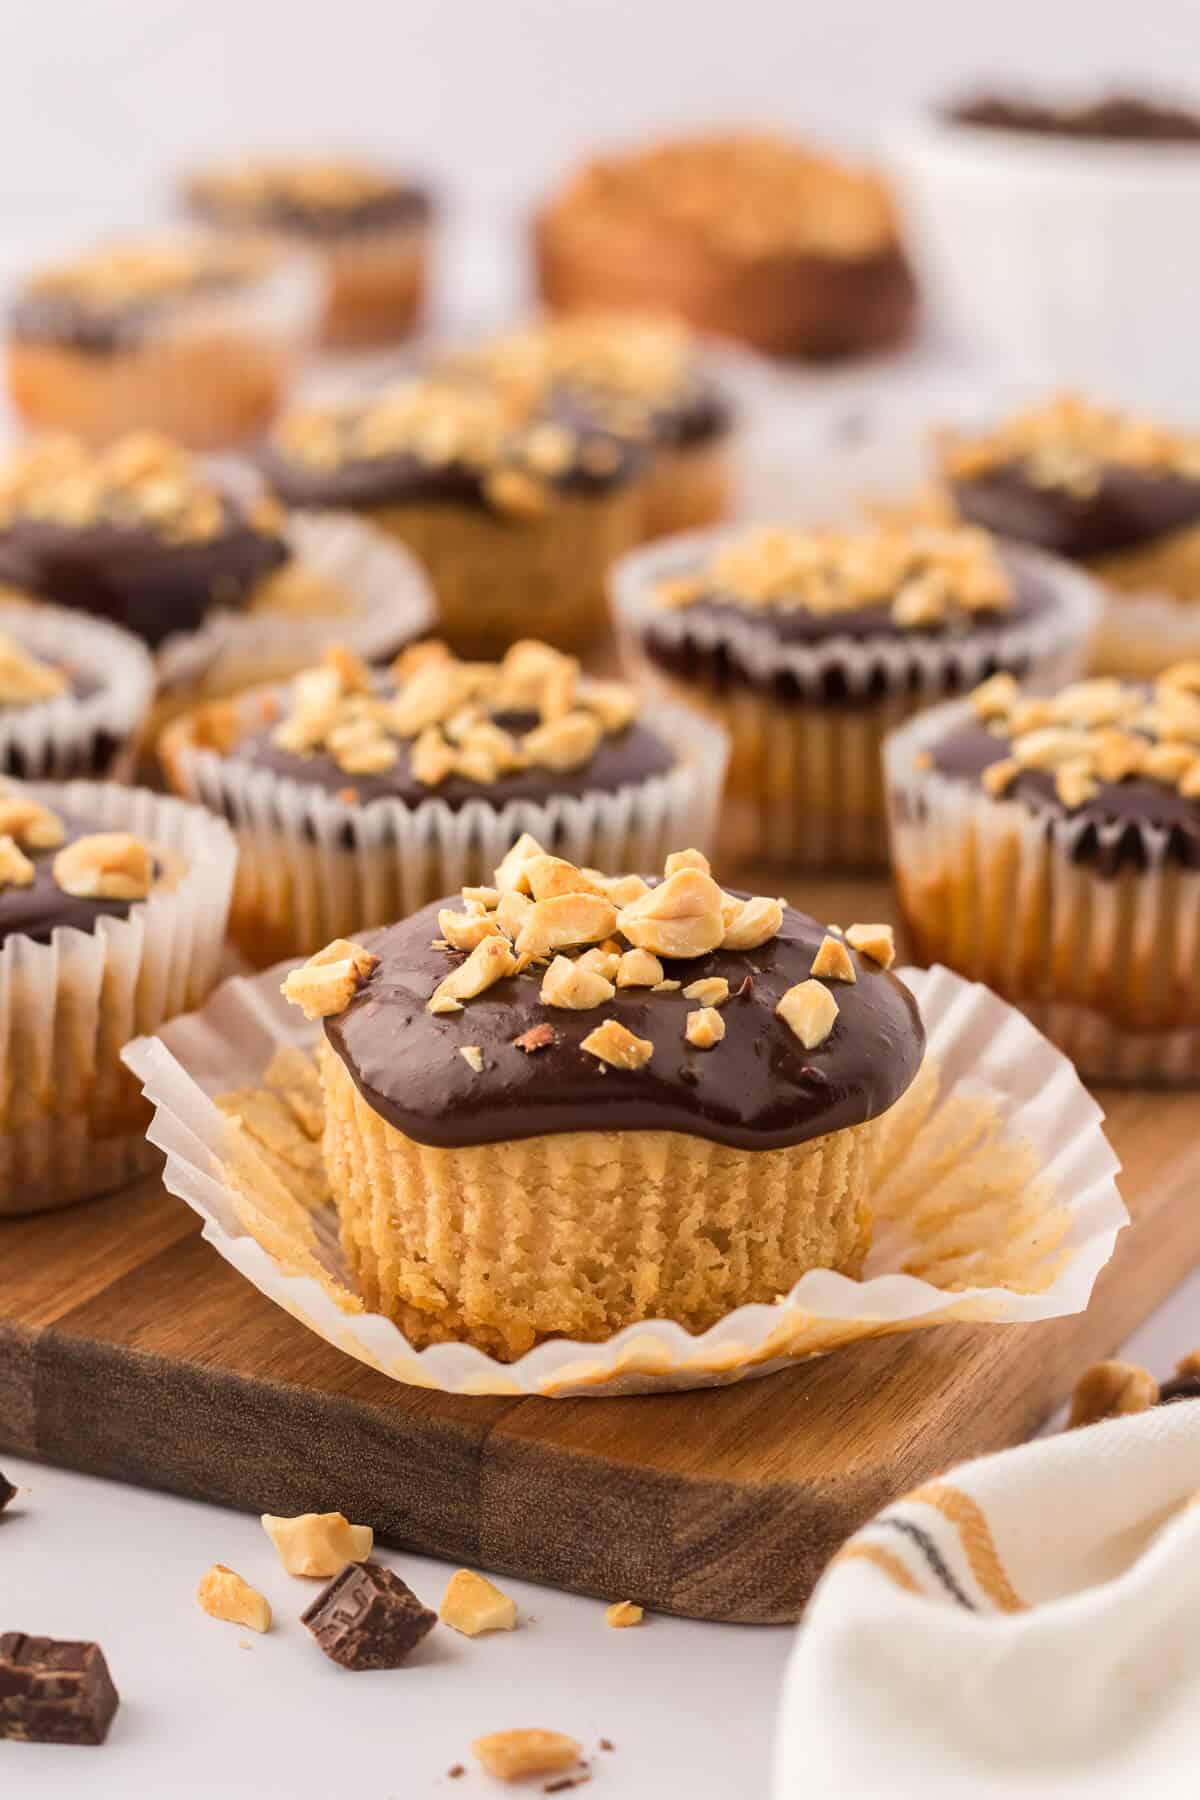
[
  {"x": 538, "y": 1037},
  {"x": 564, "y": 1782}
]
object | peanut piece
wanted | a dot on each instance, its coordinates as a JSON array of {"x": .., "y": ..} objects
[
  {"x": 809, "y": 1010},
  {"x": 570, "y": 919},
  {"x": 564, "y": 744},
  {"x": 711, "y": 990},
  {"x": 511, "y": 874},
  {"x": 16, "y": 870},
  {"x": 832, "y": 961},
  {"x": 472, "y": 1604},
  {"x": 511, "y": 1755},
  {"x": 328, "y": 981},
  {"x": 490, "y": 961},
  {"x": 613, "y": 1044},
  {"x": 624, "y": 1614},
  {"x": 550, "y": 876},
  {"x": 108, "y": 865},
  {"x": 705, "y": 1028},
  {"x": 319, "y": 1544},
  {"x": 224, "y": 1595},
  {"x": 876, "y": 941},
  {"x": 566, "y": 984},
  {"x": 639, "y": 969},
  {"x": 463, "y": 931},
  {"x": 1109, "y": 1389},
  {"x": 687, "y": 859}
]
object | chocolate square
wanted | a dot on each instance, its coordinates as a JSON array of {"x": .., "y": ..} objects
[
  {"x": 367, "y": 1618},
  {"x": 54, "y": 1692}
]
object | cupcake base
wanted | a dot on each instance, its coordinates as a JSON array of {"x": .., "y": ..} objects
[
  {"x": 503, "y": 1245},
  {"x": 376, "y": 289},
  {"x": 499, "y": 579},
  {"x": 687, "y": 488}
]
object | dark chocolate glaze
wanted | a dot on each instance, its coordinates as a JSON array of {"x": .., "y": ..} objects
[
  {"x": 132, "y": 575},
  {"x": 699, "y": 414},
  {"x": 719, "y": 667},
  {"x": 38, "y": 909},
  {"x": 621, "y": 760},
  {"x": 1131, "y": 806},
  {"x": 1180, "y": 1387},
  {"x": 1128, "y": 507},
  {"x": 404, "y": 479},
  {"x": 759, "y": 1089},
  {"x": 401, "y": 205},
  {"x": 1117, "y": 118},
  {"x": 74, "y": 322}
]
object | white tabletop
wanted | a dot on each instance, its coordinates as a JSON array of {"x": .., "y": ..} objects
[{"x": 210, "y": 1709}]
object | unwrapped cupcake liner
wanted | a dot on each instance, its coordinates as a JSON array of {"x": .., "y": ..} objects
[
  {"x": 86, "y": 734},
  {"x": 71, "y": 1122},
  {"x": 388, "y": 602},
  {"x": 805, "y": 780},
  {"x": 999, "y": 891},
  {"x": 995, "y": 1201},
  {"x": 312, "y": 867}
]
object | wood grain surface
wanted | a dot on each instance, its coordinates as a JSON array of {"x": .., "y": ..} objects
[{"x": 129, "y": 1349}]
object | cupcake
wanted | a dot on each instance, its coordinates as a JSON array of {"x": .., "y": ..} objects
[
  {"x": 209, "y": 575},
  {"x": 564, "y": 1104},
  {"x": 642, "y": 377},
  {"x": 1050, "y": 847},
  {"x": 744, "y": 236},
  {"x": 196, "y": 337},
  {"x": 112, "y": 915},
  {"x": 73, "y": 692},
  {"x": 368, "y": 227},
  {"x": 515, "y": 515},
  {"x": 809, "y": 645},
  {"x": 359, "y": 796},
  {"x": 1117, "y": 495}
]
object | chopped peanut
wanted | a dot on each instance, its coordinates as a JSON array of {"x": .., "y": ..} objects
[
  {"x": 224, "y": 1595},
  {"x": 705, "y": 1028},
  {"x": 318, "y": 1544},
  {"x": 511, "y": 1755},
  {"x": 328, "y": 981},
  {"x": 569, "y": 984},
  {"x": 832, "y": 961},
  {"x": 808, "y": 1009},
  {"x": 613, "y": 1044},
  {"x": 472, "y": 1604}
]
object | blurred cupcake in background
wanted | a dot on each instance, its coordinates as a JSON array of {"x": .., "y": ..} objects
[
  {"x": 370, "y": 228},
  {"x": 515, "y": 514},
  {"x": 209, "y": 574},
  {"x": 193, "y": 336},
  {"x": 809, "y": 645},
  {"x": 1117, "y": 494},
  {"x": 642, "y": 376},
  {"x": 746, "y": 236},
  {"x": 1055, "y": 237},
  {"x": 74, "y": 692}
]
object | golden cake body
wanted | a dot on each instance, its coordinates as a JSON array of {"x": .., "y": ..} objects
[{"x": 565, "y": 1173}]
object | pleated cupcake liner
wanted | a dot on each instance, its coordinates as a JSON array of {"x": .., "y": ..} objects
[
  {"x": 994, "y": 1194},
  {"x": 71, "y": 1121},
  {"x": 92, "y": 733},
  {"x": 1013, "y": 896}
]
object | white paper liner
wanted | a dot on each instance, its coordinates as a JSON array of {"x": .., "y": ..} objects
[
  {"x": 69, "y": 1120},
  {"x": 74, "y": 735},
  {"x": 1048, "y": 646},
  {"x": 389, "y": 602},
  {"x": 319, "y": 868},
  {"x": 981, "y": 1046},
  {"x": 1121, "y": 934}
]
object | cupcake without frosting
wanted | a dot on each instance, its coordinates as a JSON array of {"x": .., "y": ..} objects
[
  {"x": 1116, "y": 494},
  {"x": 357, "y": 795},
  {"x": 642, "y": 376},
  {"x": 746, "y": 236},
  {"x": 809, "y": 645},
  {"x": 564, "y": 1102},
  {"x": 514, "y": 514},
  {"x": 1049, "y": 845},
  {"x": 369, "y": 227},
  {"x": 193, "y": 336}
]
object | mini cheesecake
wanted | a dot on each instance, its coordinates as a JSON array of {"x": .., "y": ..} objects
[
  {"x": 196, "y": 337},
  {"x": 369, "y": 227},
  {"x": 565, "y": 1102},
  {"x": 514, "y": 514},
  {"x": 1117, "y": 495},
  {"x": 357, "y": 794},
  {"x": 809, "y": 645},
  {"x": 745, "y": 236},
  {"x": 1049, "y": 845}
]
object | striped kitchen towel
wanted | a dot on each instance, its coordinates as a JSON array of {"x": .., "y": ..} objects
[{"x": 1026, "y": 1628}]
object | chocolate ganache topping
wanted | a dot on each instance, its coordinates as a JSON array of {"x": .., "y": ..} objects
[
  {"x": 434, "y": 727},
  {"x": 108, "y": 301},
  {"x": 320, "y": 200},
  {"x": 138, "y": 533},
  {"x": 1118, "y": 759},
  {"x": 722, "y": 1016},
  {"x": 1077, "y": 479},
  {"x": 444, "y": 440},
  {"x": 56, "y": 870}
]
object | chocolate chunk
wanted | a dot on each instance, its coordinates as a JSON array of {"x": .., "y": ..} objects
[
  {"x": 7, "y": 1492},
  {"x": 54, "y": 1692},
  {"x": 367, "y": 1618}
]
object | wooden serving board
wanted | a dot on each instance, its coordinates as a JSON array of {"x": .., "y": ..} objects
[{"x": 129, "y": 1349}]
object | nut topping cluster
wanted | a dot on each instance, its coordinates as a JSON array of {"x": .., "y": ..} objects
[
  {"x": 1097, "y": 732},
  {"x": 447, "y": 712},
  {"x": 584, "y": 934},
  {"x": 490, "y": 429},
  {"x": 329, "y": 185},
  {"x": 106, "y": 865},
  {"x": 25, "y": 678},
  {"x": 927, "y": 575},
  {"x": 1068, "y": 443},
  {"x": 744, "y": 195},
  {"x": 142, "y": 480},
  {"x": 132, "y": 274}
]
